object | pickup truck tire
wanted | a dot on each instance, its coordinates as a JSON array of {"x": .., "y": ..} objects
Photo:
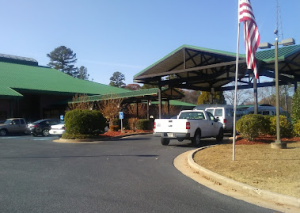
[
  {"x": 196, "y": 141},
  {"x": 165, "y": 141},
  {"x": 3, "y": 132},
  {"x": 219, "y": 137}
]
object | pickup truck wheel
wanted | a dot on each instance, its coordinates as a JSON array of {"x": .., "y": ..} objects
[
  {"x": 197, "y": 139},
  {"x": 165, "y": 141},
  {"x": 3, "y": 132},
  {"x": 219, "y": 137}
]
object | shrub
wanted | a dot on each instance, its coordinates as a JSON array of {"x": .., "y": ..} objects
[
  {"x": 296, "y": 129},
  {"x": 266, "y": 125},
  {"x": 295, "y": 107},
  {"x": 251, "y": 126},
  {"x": 132, "y": 122},
  {"x": 286, "y": 129},
  {"x": 144, "y": 124},
  {"x": 113, "y": 127},
  {"x": 84, "y": 122}
]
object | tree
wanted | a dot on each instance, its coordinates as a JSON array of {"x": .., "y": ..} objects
[
  {"x": 204, "y": 98},
  {"x": 110, "y": 107},
  {"x": 149, "y": 86},
  {"x": 63, "y": 59},
  {"x": 132, "y": 87},
  {"x": 243, "y": 95},
  {"x": 190, "y": 96},
  {"x": 82, "y": 73},
  {"x": 117, "y": 79},
  {"x": 80, "y": 101}
]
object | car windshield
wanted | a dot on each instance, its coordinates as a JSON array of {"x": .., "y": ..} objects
[{"x": 8, "y": 121}]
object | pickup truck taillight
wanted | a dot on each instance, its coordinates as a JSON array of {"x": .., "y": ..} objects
[
  {"x": 225, "y": 121},
  {"x": 188, "y": 125},
  {"x": 154, "y": 125}
]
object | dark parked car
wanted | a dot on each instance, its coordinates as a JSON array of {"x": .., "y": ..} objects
[{"x": 42, "y": 127}]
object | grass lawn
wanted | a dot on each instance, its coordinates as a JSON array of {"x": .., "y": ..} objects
[{"x": 257, "y": 164}]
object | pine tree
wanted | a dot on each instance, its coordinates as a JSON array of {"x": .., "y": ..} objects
[{"x": 63, "y": 59}]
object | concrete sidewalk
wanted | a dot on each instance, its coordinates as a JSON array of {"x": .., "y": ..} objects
[{"x": 186, "y": 164}]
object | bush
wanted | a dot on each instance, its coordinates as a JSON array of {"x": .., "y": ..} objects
[
  {"x": 251, "y": 126},
  {"x": 84, "y": 122},
  {"x": 295, "y": 107},
  {"x": 286, "y": 129},
  {"x": 266, "y": 125},
  {"x": 144, "y": 124},
  {"x": 132, "y": 122},
  {"x": 113, "y": 127},
  {"x": 296, "y": 129}
]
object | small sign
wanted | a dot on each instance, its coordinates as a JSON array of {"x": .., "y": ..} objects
[
  {"x": 61, "y": 117},
  {"x": 121, "y": 115}
]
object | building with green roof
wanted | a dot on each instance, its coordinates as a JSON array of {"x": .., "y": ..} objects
[{"x": 33, "y": 92}]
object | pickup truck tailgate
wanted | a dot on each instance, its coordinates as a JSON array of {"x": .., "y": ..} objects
[{"x": 170, "y": 125}]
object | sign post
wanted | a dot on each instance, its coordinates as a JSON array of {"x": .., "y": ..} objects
[{"x": 121, "y": 117}]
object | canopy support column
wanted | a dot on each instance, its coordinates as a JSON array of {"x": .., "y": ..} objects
[
  {"x": 159, "y": 102},
  {"x": 255, "y": 94}
]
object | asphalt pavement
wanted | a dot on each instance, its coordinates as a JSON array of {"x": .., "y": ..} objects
[{"x": 131, "y": 174}]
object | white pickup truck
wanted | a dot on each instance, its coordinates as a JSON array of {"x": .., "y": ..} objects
[{"x": 190, "y": 124}]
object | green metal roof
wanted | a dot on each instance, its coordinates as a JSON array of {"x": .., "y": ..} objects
[
  {"x": 139, "y": 94},
  {"x": 283, "y": 52},
  {"x": 16, "y": 78},
  {"x": 176, "y": 103},
  {"x": 7, "y": 91}
]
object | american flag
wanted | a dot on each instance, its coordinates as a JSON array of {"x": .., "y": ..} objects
[{"x": 251, "y": 34}]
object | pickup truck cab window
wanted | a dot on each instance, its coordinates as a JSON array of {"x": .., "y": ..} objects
[
  {"x": 192, "y": 115},
  {"x": 210, "y": 116}
]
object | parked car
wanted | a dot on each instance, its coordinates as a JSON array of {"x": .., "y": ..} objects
[
  {"x": 13, "y": 125},
  {"x": 58, "y": 129},
  {"x": 42, "y": 127}
]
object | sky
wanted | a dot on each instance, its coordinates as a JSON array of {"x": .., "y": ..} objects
[{"x": 130, "y": 35}]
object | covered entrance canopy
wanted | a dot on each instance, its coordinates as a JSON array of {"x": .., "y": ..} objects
[
  {"x": 199, "y": 68},
  {"x": 205, "y": 69}
]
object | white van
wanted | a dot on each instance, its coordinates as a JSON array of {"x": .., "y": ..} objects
[{"x": 221, "y": 111}]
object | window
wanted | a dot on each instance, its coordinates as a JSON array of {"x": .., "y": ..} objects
[
  {"x": 210, "y": 110},
  {"x": 219, "y": 112},
  {"x": 229, "y": 112},
  {"x": 210, "y": 116},
  {"x": 22, "y": 121},
  {"x": 17, "y": 121}
]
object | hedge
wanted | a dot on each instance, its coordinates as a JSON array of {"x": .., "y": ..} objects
[{"x": 84, "y": 122}]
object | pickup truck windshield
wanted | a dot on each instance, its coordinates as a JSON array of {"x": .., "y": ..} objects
[
  {"x": 192, "y": 115},
  {"x": 8, "y": 121}
]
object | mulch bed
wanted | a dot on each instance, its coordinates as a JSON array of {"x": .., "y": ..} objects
[
  {"x": 126, "y": 132},
  {"x": 265, "y": 139}
]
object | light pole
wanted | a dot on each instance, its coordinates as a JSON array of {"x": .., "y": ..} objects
[{"x": 278, "y": 144}]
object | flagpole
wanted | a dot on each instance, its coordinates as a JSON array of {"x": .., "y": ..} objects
[{"x": 235, "y": 86}]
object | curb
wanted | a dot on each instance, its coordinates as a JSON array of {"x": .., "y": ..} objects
[
  {"x": 250, "y": 190},
  {"x": 95, "y": 140}
]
